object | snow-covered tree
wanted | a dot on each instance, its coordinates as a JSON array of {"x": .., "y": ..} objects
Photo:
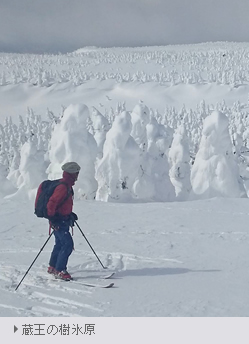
[
  {"x": 140, "y": 117},
  {"x": 71, "y": 141},
  {"x": 159, "y": 142},
  {"x": 100, "y": 126},
  {"x": 7, "y": 187},
  {"x": 14, "y": 172},
  {"x": 215, "y": 171},
  {"x": 118, "y": 169},
  {"x": 32, "y": 168},
  {"x": 179, "y": 158},
  {"x": 143, "y": 187}
]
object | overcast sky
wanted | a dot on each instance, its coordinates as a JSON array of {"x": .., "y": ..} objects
[{"x": 66, "y": 25}]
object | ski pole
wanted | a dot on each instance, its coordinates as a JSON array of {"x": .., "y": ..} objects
[
  {"x": 104, "y": 267},
  {"x": 34, "y": 260}
]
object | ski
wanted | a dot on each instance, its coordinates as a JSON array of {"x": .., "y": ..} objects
[
  {"x": 108, "y": 276},
  {"x": 100, "y": 277},
  {"x": 93, "y": 285},
  {"x": 86, "y": 284}
]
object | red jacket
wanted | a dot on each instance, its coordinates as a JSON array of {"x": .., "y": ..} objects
[{"x": 60, "y": 193}]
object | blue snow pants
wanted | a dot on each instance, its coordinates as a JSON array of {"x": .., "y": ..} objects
[{"x": 63, "y": 247}]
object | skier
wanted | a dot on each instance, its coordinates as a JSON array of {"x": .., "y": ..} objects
[{"x": 59, "y": 209}]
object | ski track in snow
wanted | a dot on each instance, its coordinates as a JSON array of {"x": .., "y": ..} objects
[
  {"x": 60, "y": 298},
  {"x": 63, "y": 305}
]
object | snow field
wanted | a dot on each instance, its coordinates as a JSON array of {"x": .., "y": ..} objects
[{"x": 161, "y": 134}]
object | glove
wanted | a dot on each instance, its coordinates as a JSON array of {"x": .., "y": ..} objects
[
  {"x": 73, "y": 217},
  {"x": 55, "y": 219}
]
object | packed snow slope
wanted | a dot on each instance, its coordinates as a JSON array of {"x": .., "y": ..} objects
[{"x": 171, "y": 259}]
